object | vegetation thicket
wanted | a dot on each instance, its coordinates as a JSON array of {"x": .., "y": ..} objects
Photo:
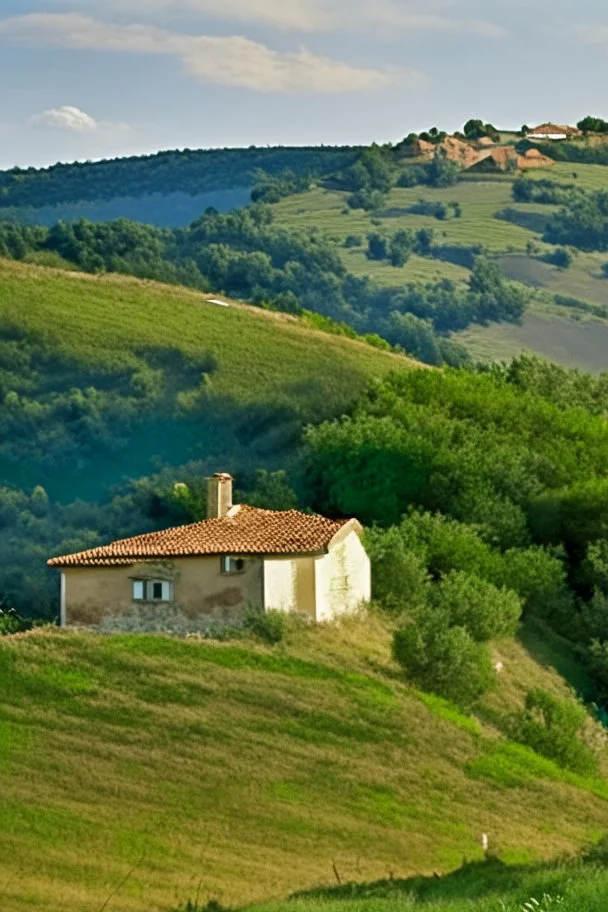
[{"x": 106, "y": 379}]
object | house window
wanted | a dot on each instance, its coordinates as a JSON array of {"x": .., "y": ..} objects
[
  {"x": 152, "y": 591},
  {"x": 231, "y": 565}
]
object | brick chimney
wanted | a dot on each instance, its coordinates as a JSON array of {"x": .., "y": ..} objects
[{"x": 219, "y": 495}]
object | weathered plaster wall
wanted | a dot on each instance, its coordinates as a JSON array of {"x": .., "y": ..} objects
[
  {"x": 342, "y": 578},
  {"x": 289, "y": 585},
  {"x": 101, "y": 597}
]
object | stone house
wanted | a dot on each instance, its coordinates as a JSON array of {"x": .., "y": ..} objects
[{"x": 191, "y": 578}]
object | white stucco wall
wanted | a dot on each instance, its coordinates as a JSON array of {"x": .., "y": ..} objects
[
  {"x": 342, "y": 578},
  {"x": 280, "y": 585}
]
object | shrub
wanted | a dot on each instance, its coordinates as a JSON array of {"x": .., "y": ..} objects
[
  {"x": 560, "y": 257},
  {"x": 553, "y": 728},
  {"x": 483, "y": 610},
  {"x": 11, "y": 622},
  {"x": 377, "y": 247},
  {"x": 443, "y": 659},
  {"x": 268, "y": 626},
  {"x": 399, "y": 577},
  {"x": 353, "y": 240},
  {"x": 410, "y": 177}
]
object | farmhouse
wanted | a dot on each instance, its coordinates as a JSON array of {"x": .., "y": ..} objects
[
  {"x": 190, "y": 578},
  {"x": 551, "y": 131}
]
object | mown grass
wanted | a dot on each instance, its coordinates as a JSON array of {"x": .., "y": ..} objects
[{"x": 251, "y": 770}]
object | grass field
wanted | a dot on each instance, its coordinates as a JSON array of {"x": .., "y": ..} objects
[
  {"x": 108, "y": 322},
  {"x": 229, "y": 383},
  {"x": 570, "y": 885},
  {"x": 550, "y": 330},
  {"x": 244, "y": 773}
]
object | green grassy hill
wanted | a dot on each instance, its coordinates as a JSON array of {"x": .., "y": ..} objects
[
  {"x": 243, "y": 773},
  {"x": 184, "y": 378}
]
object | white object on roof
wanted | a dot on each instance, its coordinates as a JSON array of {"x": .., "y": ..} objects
[{"x": 217, "y": 301}]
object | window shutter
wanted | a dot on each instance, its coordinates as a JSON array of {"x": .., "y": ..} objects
[
  {"x": 166, "y": 592},
  {"x": 138, "y": 590}
]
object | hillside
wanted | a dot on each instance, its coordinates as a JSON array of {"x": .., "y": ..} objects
[
  {"x": 562, "y": 330},
  {"x": 169, "y": 188},
  {"x": 183, "y": 356},
  {"x": 107, "y": 380},
  {"x": 241, "y": 772}
]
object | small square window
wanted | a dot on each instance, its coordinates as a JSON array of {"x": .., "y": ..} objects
[
  {"x": 152, "y": 591},
  {"x": 231, "y": 565}
]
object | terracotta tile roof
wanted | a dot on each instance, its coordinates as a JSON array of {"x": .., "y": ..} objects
[
  {"x": 551, "y": 129},
  {"x": 246, "y": 530}
]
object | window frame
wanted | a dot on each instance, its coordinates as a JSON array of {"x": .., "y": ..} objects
[
  {"x": 228, "y": 564},
  {"x": 147, "y": 590}
]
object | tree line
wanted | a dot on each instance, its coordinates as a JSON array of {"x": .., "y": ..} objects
[{"x": 188, "y": 171}]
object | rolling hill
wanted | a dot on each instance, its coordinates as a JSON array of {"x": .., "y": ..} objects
[
  {"x": 155, "y": 770},
  {"x": 200, "y": 371},
  {"x": 562, "y": 332}
]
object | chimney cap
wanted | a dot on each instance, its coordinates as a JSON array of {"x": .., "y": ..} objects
[{"x": 223, "y": 476}]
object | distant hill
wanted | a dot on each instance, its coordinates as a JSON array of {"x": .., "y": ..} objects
[
  {"x": 167, "y": 189},
  {"x": 566, "y": 319},
  {"x": 196, "y": 373},
  {"x": 239, "y": 772}
]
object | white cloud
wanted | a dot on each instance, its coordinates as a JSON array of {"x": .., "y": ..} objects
[
  {"x": 232, "y": 61},
  {"x": 66, "y": 117}
]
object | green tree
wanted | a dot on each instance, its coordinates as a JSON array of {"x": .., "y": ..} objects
[
  {"x": 485, "y": 611},
  {"x": 377, "y": 247},
  {"x": 443, "y": 659}
]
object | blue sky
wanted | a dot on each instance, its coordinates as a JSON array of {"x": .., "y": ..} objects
[{"x": 81, "y": 79}]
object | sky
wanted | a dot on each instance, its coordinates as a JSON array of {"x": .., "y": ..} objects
[{"x": 80, "y": 79}]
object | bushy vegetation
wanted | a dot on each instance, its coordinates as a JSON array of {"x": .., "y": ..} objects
[
  {"x": 516, "y": 488},
  {"x": 189, "y": 171}
]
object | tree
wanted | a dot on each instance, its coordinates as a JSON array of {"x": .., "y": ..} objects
[
  {"x": 441, "y": 172},
  {"x": 592, "y": 125},
  {"x": 377, "y": 247},
  {"x": 485, "y": 611},
  {"x": 401, "y": 248},
  {"x": 477, "y": 129},
  {"x": 443, "y": 659}
]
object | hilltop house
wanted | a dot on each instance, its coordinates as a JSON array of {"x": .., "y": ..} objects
[
  {"x": 551, "y": 131},
  {"x": 189, "y": 578}
]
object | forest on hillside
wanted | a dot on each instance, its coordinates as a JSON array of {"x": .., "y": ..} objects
[{"x": 187, "y": 171}]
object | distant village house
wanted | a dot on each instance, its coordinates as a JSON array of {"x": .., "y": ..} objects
[
  {"x": 190, "y": 578},
  {"x": 553, "y": 132}
]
